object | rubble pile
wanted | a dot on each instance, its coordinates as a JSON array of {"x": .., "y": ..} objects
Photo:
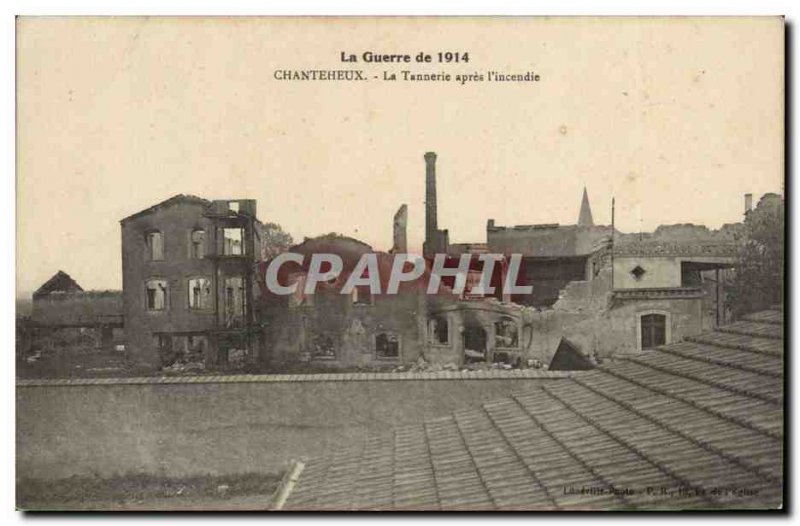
[
  {"x": 422, "y": 365},
  {"x": 184, "y": 367}
]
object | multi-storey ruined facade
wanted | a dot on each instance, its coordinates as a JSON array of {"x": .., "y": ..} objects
[{"x": 187, "y": 280}]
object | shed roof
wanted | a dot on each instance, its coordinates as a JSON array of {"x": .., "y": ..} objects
[{"x": 695, "y": 424}]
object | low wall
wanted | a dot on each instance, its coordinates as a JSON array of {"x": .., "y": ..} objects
[{"x": 216, "y": 425}]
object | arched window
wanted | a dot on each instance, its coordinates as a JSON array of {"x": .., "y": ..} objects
[
  {"x": 155, "y": 245},
  {"x": 197, "y": 244}
]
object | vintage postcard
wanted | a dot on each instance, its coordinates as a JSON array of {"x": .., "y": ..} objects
[{"x": 417, "y": 263}]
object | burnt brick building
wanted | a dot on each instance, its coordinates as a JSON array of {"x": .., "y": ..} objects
[{"x": 187, "y": 280}]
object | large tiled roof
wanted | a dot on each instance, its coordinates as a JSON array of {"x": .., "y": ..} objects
[{"x": 695, "y": 424}]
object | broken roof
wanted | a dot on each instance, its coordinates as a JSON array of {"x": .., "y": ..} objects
[
  {"x": 670, "y": 249},
  {"x": 180, "y": 198},
  {"x": 548, "y": 241},
  {"x": 692, "y": 425}
]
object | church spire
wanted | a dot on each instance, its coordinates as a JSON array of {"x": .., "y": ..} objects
[{"x": 585, "y": 217}]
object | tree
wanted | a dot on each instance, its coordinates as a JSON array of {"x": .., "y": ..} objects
[
  {"x": 274, "y": 241},
  {"x": 758, "y": 283}
]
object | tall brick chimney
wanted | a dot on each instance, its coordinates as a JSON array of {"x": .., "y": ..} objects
[
  {"x": 748, "y": 203},
  {"x": 399, "y": 241},
  {"x": 431, "y": 224}
]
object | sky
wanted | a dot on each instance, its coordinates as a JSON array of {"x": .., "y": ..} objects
[{"x": 675, "y": 118}]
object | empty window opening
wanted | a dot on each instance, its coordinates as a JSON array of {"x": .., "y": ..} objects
[
  {"x": 233, "y": 241},
  {"x": 473, "y": 279},
  {"x": 299, "y": 298},
  {"x": 166, "y": 353},
  {"x": 155, "y": 246},
  {"x": 387, "y": 345},
  {"x": 156, "y": 294},
  {"x": 438, "y": 331},
  {"x": 638, "y": 272},
  {"x": 654, "y": 330},
  {"x": 234, "y": 301},
  {"x": 200, "y": 293},
  {"x": 691, "y": 275},
  {"x": 197, "y": 346},
  {"x": 506, "y": 333},
  {"x": 197, "y": 248},
  {"x": 233, "y": 206},
  {"x": 324, "y": 347},
  {"x": 233, "y": 351},
  {"x": 362, "y": 295},
  {"x": 474, "y": 344},
  {"x": 507, "y": 358}
]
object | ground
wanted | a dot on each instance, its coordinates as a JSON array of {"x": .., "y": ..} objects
[
  {"x": 77, "y": 362},
  {"x": 146, "y": 492}
]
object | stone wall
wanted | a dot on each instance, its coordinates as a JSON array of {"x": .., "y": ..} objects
[{"x": 222, "y": 427}]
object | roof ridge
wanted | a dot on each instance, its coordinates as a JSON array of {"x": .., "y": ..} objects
[
  {"x": 706, "y": 381},
  {"x": 691, "y": 402},
  {"x": 430, "y": 461},
  {"x": 702, "y": 444}
]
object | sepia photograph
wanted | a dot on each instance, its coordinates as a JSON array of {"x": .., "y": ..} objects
[{"x": 400, "y": 263}]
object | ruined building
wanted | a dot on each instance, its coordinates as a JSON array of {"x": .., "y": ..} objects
[
  {"x": 61, "y": 305},
  {"x": 331, "y": 329},
  {"x": 194, "y": 291},
  {"x": 187, "y": 280},
  {"x": 604, "y": 291}
]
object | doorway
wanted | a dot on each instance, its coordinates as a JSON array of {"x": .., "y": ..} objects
[{"x": 474, "y": 344}]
